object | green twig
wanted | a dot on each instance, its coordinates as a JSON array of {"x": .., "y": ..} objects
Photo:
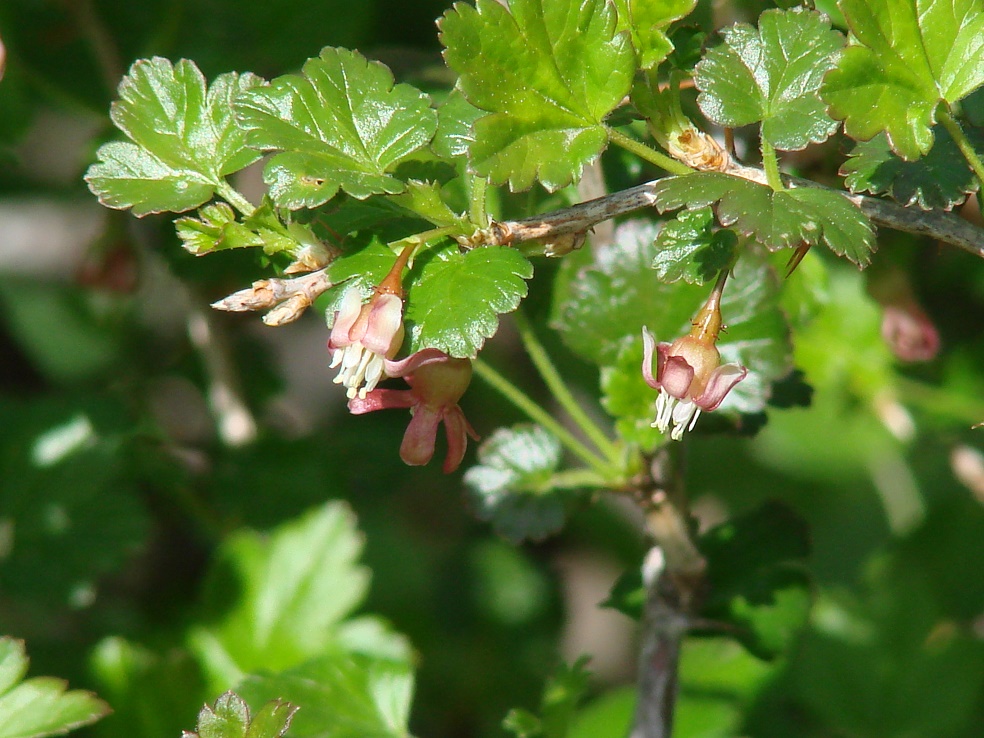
[
  {"x": 235, "y": 198},
  {"x": 556, "y": 385},
  {"x": 538, "y": 415},
  {"x": 647, "y": 153},
  {"x": 770, "y": 163},
  {"x": 966, "y": 147}
]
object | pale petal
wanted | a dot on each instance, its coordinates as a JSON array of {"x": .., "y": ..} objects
[
  {"x": 385, "y": 325},
  {"x": 345, "y": 317}
]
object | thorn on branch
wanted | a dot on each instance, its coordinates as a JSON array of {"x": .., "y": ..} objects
[{"x": 289, "y": 298}]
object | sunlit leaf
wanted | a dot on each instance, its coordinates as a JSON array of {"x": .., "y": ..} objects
[
  {"x": 183, "y": 139},
  {"x": 40, "y": 706},
  {"x": 905, "y": 58},
  {"x": 771, "y": 75},
  {"x": 454, "y": 300},
  {"x": 547, "y": 72},
  {"x": 647, "y": 21},
  {"x": 341, "y": 124}
]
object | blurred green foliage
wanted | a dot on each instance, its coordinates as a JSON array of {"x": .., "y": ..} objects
[{"x": 140, "y": 551}]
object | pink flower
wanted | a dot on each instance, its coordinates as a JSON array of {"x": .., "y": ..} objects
[
  {"x": 437, "y": 382},
  {"x": 363, "y": 337},
  {"x": 689, "y": 373}
]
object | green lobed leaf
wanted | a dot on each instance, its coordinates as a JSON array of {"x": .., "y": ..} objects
[
  {"x": 455, "y": 118},
  {"x": 778, "y": 220},
  {"x": 771, "y": 75},
  {"x": 604, "y": 300},
  {"x": 454, "y": 299},
  {"x": 689, "y": 248},
  {"x": 230, "y": 717},
  {"x": 40, "y": 706},
  {"x": 342, "y": 696},
  {"x": 183, "y": 138},
  {"x": 278, "y": 600},
  {"x": 905, "y": 58},
  {"x": 941, "y": 179},
  {"x": 755, "y": 576},
  {"x": 510, "y": 485},
  {"x": 547, "y": 72},
  {"x": 647, "y": 21},
  {"x": 341, "y": 124}
]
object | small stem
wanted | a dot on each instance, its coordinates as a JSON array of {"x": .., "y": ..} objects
[
  {"x": 770, "y": 163},
  {"x": 235, "y": 198},
  {"x": 647, "y": 153},
  {"x": 538, "y": 415},
  {"x": 557, "y": 387},
  {"x": 418, "y": 239},
  {"x": 477, "y": 212},
  {"x": 940, "y": 401},
  {"x": 966, "y": 147}
]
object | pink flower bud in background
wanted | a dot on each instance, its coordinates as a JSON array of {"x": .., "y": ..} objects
[{"x": 909, "y": 332}]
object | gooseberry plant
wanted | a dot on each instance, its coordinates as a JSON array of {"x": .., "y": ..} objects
[{"x": 395, "y": 212}]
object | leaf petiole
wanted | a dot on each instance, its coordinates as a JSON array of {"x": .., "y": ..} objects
[
  {"x": 477, "y": 211},
  {"x": 538, "y": 415},
  {"x": 234, "y": 198},
  {"x": 555, "y": 383},
  {"x": 647, "y": 153},
  {"x": 770, "y": 163},
  {"x": 966, "y": 147}
]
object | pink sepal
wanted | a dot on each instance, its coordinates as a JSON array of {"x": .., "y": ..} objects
[
  {"x": 456, "y": 427},
  {"x": 418, "y": 442},
  {"x": 675, "y": 375},
  {"x": 407, "y": 366},
  {"x": 381, "y": 399},
  {"x": 720, "y": 383}
]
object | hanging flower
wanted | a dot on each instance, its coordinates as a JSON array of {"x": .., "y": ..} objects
[
  {"x": 363, "y": 337},
  {"x": 437, "y": 382},
  {"x": 689, "y": 374}
]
